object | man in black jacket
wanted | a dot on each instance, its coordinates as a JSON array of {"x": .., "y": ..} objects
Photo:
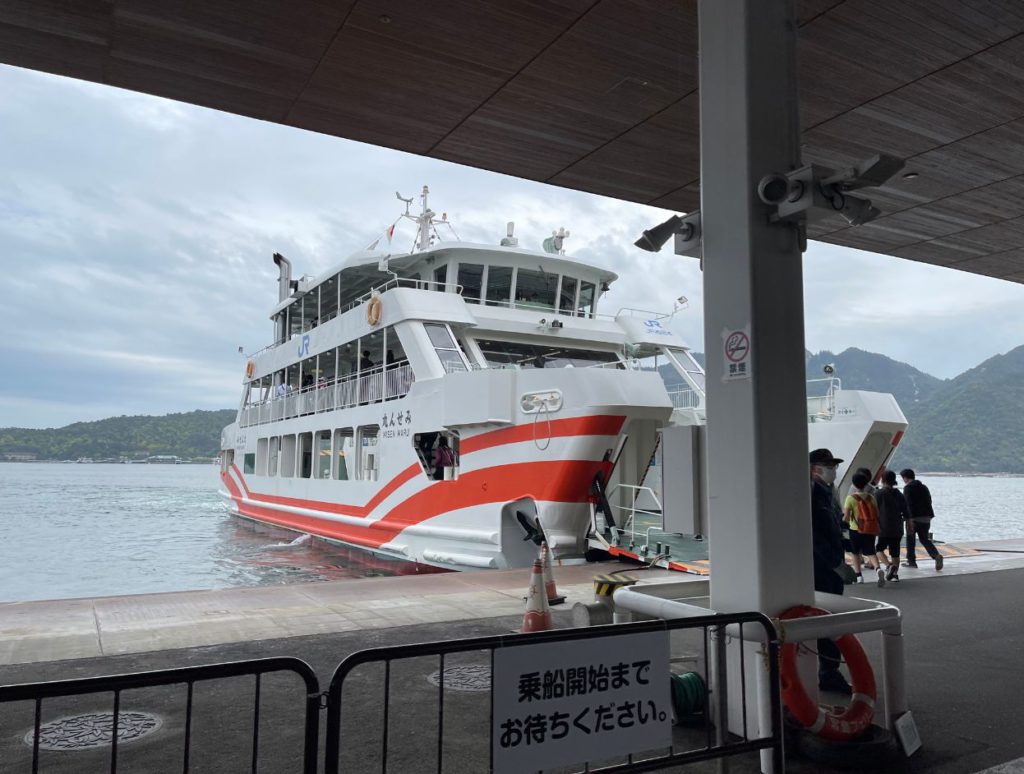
[
  {"x": 827, "y": 542},
  {"x": 919, "y": 502}
]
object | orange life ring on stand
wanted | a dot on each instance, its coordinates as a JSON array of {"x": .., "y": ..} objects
[
  {"x": 373, "y": 311},
  {"x": 250, "y": 369},
  {"x": 841, "y": 723}
]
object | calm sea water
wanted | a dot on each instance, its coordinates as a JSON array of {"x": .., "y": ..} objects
[{"x": 97, "y": 530}]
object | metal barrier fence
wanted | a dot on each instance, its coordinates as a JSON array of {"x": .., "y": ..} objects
[
  {"x": 189, "y": 676},
  {"x": 716, "y": 743}
]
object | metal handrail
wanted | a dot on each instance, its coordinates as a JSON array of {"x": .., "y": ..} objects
[
  {"x": 717, "y": 623},
  {"x": 39, "y": 691}
]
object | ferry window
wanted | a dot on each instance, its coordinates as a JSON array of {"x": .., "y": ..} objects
[
  {"x": 567, "y": 297},
  {"x": 586, "y": 303},
  {"x": 249, "y": 463},
  {"x": 323, "y": 454},
  {"x": 499, "y": 285},
  {"x": 329, "y": 299},
  {"x": 371, "y": 350},
  {"x": 343, "y": 448},
  {"x": 327, "y": 365},
  {"x": 287, "y": 456},
  {"x": 471, "y": 276},
  {"x": 519, "y": 355},
  {"x": 536, "y": 289},
  {"x": 294, "y": 311},
  {"x": 275, "y": 450},
  {"x": 445, "y": 347},
  {"x": 369, "y": 454},
  {"x": 261, "y": 457},
  {"x": 305, "y": 455},
  {"x": 440, "y": 277}
]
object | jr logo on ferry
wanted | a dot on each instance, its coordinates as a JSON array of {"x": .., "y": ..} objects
[
  {"x": 655, "y": 327},
  {"x": 304, "y": 345}
]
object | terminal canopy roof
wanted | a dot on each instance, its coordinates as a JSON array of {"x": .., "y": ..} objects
[{"x": 595, "y": 95}]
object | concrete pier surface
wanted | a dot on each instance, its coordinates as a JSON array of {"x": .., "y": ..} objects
[{"x": 964, "y": 637}]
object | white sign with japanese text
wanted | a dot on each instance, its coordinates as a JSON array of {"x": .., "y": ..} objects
[
  {"x": 736, "y": 348},
  {"x": 564, "y": 703}
]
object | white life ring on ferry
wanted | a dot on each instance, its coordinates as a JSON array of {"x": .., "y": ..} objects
[
  {"x": 842, "y": 723},
  {"x": 373, "y": 310},
  {"x": 250, "y": 369}
]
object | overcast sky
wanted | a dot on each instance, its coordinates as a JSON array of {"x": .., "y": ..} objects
[{"x": 137, "y": 235}]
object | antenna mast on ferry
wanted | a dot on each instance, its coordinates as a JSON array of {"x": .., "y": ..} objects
[{"x": 424, "y": 221}]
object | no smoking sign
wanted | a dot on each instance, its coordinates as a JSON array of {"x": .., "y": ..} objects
[{"x": 736, "y": 348}]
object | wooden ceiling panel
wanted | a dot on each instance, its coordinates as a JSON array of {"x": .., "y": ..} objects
[
  {"x": 596, "y": 95},
  {"x": 648, "y": 160},
  {"x": 145, "y": 41},
  {"x": 396, "y": 75}
]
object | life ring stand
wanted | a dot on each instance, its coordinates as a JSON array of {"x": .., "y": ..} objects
[
  {"x": 373, "y": 310},
  {"x": 839, "y": 724},
  {"x": 250, "y": 369}
]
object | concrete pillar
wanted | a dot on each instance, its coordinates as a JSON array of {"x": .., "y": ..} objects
[{"x": 759, "y": 503}]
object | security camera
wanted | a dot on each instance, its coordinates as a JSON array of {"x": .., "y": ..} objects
[
  {"x": 829, "y": 369},
  {"x": 774, "y": 189},
  {"x": 653, "y": 239},
  {"x": 855, "y": 210}
]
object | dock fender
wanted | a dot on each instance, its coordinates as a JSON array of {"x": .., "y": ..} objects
[{"x": 838, "y": 724}]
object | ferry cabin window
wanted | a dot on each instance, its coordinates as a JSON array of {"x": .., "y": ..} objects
[
  {"x": 517, "y": 355},
  {"x": 343, "y": 453},
  {"x": 329, "y": 299},
  {"x": 261, "y": 456},
  {"x": 445, "y": 347},
  {"x": 585, "y": 307},
  {"x": 322, "y": 452},
  {"x": 368, "y": 465},
  {"x": 499, "y": 285},
  {"x": 536, "y": 289},
  {"x": 471, "y": 277},
  {"x": 249, "y": 463},
  {"x": 567, "y": 296},
  {"x": 275, "y": 453},
  {"x": 287, "y": 456},
  {"x": 305, "y": 455},
  {"x": 440, "y": 277},
  {"x": 294, "y": 312}
]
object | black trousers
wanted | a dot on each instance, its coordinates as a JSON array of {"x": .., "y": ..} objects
[
  {"x": 827, "y": 580},
  {"x": 920, "y": 530}
]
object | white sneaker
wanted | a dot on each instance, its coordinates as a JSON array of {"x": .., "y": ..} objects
[{"x": 881, "y": 577}]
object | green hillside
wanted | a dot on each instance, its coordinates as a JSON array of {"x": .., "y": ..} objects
[
  {"x": 193, "y": 434},
  {"x": 973, "y": 423}
]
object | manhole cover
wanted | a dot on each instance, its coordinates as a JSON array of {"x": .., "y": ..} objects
[
  {"x": 464, "y": 678},
  {"x": 81, "y": 732}
]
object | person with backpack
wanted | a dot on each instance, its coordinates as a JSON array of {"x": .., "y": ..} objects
[
  {"x": 892, "y": 515},
  {"x": 919, "y": 505},
  {"x": 860, "y": 512}
]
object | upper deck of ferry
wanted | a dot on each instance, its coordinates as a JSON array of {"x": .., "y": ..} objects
[{"x": 367, "y": 329}]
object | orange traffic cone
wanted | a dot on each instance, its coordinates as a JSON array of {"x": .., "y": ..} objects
[
  {"x": 554, "y": 598},
  {"x": 538, "y": 615}
]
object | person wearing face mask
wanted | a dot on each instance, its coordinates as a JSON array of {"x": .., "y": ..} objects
[{"x": 827, "y": 542}]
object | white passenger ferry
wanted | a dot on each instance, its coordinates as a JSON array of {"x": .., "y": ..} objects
[{"x": 457, "y": 403}]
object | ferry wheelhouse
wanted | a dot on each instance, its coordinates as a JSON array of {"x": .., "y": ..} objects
[{"x": 455, "y": 404}]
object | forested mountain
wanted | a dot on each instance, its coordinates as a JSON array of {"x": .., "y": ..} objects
[
  {"x": 972, "y": 423},
  {"x": 194, "y": 434}
]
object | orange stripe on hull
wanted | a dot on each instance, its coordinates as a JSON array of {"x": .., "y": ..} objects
[
  {"x": 565, "y": 481},
  {"x": 596, "y": 425}
]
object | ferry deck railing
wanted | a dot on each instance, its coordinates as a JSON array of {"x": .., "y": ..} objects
[{"x": 381, "y": 383}]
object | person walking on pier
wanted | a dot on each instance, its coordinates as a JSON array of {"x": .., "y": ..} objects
[
  {"x": 827, "y": 544},
  {"x": 892, "y": 515},
  {"x": 919, "y": 504},
  {"x": 860, "y": 512}
]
